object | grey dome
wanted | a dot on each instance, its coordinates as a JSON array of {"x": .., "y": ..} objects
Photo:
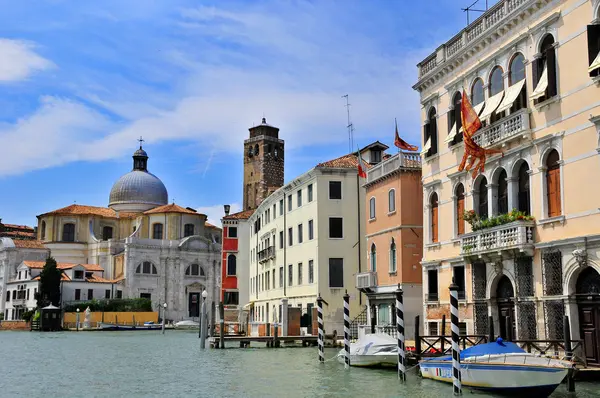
[
  {"x": 140, "y": 187},
  {"x": 140, "y": 152}
]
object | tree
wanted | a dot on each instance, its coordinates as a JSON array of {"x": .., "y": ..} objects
[{"x": 50, "y": 277}]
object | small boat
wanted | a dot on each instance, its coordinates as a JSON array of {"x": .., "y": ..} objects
[
  {"x": 187, "y": 324},
  {"x": 145, "y": 326},
  {"x": 373, "y": 350},
  {"x": 501, "y": 368}
]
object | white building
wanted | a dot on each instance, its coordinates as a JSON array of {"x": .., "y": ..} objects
[{"x": 305, "y": 241}]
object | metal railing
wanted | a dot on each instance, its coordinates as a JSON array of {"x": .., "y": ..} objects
[
  {"x": 515, "y": 235},
  {"x": 266, "y": 254}
]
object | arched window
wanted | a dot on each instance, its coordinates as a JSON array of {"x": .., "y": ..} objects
[
  {"x": 231, "y": 265},
  {"x": 392, "y": 200},
  {"x": 188, "y": 230},
  {"x": 256, "y": 150},
  {"x": 194, "y": 270},
  {"x": 544, "y": 71},
  {"x": 157, "y": 231},
  {"x": 393, "y": 265},
  {"x": 593, "y": 36},
  {"x": 477, "y": 96},
  {"x": 516, "y": 80},
  {"x": 433, "y": 201},
  {"x": 146, "y": 268},
  {"x": 371, "y": 208},
  {"x": 496, "y": 81},
  {"x": 460, "y": 209},
  {"x": 43, "y": 231},
  {"x": 107, "y": 233},
  {"x": 553, "y": 184},
  {"x": 430, "y": 134},
  {"x": 68, "y": 234},
  {"x": 457, "y": 101},
  {"x": 373, "y": 258},
  {"x": 482, "y": 198},
  {"x": 523, "y": 189},
  {"x": 502, "y": 193}
]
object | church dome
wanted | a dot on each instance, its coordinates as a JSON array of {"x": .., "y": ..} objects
[{"x": 138, "y": 190}]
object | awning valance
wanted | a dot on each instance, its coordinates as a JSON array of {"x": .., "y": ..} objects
[
  {"x": 477, "y": 108},
  {"x": 511, "y": 95},
  {"x": 596, "y": 64},
  {"x": 491, "y": 105},
  {"x": 540, "y": 89},
  {"x": 451, "y": 134},
  {"x": 426, "y": 147}
]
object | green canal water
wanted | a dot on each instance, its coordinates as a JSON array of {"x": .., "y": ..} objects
[{"x": 149, "y": 364}]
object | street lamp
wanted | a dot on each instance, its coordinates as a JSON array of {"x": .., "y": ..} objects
[
  {"x": 77, "y": 325},
  {"x": 203, "y": 326},
  {"x": 227, "y": 208},
  {"x": 163, "y": 317}
]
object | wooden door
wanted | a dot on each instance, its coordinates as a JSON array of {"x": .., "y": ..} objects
[
  {"x": 194, "y": 305},
  {"x": 506, "y": 309},
  {"x": 589, "y": 324}
]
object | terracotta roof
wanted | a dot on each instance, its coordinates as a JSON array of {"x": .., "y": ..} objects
[
  {"x": 129, "y": 215},
  {"x": 242, "y": 215},
  {"x": 83, "y": 210},
  {"x": 63, "y": 277},
  {"x": 17, "y": 234},
  {"x": 209, "y": 225},
  {"x": 349, "y": 161},
  {"x": 29, "y": 244},
  {"x": 97, "y": 279},
  {"x": 15, "y": 226},
  {"x": 172, "y": 208},
  {"x": 40, "y": 265}
]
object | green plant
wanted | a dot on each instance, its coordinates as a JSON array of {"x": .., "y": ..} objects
[
  {"x": 27, "y": 315},
  {"x": 478, "y": 223},
  {"x": 50, "y": 277},
  {"x": 37, "y": 315}
]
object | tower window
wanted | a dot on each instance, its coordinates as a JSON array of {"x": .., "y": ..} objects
[
  {"x": 188, "y": 230},
  {"x": 256, "y": 150},
  {"x": 107, "y": 233},
  {"x": 157, "y": 231},
  {"x": 68, "y": 234}
]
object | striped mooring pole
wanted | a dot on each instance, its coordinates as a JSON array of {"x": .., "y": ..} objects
[
  {"x": 457, "y": 388},
  {"x": 400, "y": 327},
  {"x": 346, "y": 330},
  {"x": 321, "y": 338}
]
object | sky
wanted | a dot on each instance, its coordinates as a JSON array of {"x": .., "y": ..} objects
[{"x": 81, "y": 81}]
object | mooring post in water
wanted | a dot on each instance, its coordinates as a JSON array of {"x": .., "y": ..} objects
[
  {"x": 456, "y": 382},
  {"x": 163, "y": 317},
  {"x": 221, "y": 326},
  {"x": 373, "y": 318},
  {"x": 491, "y": 336},
  {"x": 321, "y": 336},
  {"x": 443, "y": 334},
  {"x": 203, "y": 321},
  {"x": 346, "y": 330},
  {"x": 400, "y": 330},
  {"x": 568, "y": 353},
  {"x": 418, "y": 337}
]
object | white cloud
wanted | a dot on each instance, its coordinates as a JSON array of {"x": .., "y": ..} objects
[
  {"x": 216, "y": 212},
  {"x": 19, "y": 60}
]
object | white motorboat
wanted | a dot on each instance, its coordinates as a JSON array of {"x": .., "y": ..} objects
[
  {"x": 502, "y": 368},
  {"x": 373, "y": 350},
  {"x": 187, "y": 324}
]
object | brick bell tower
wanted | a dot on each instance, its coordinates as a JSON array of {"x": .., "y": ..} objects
[{"x": 263, "y": 164}]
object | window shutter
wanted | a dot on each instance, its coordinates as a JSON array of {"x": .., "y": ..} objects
[
  {"x": 458, "y": 137},
  {"x": 460, "y": 209},
  {"x": 535, "y": 72},
  {"x": 450, "y": 115},
  {"x": 433, "y": 132},
  {"x": 434, "y": 224},
  {"x": 425, "y": 133},
  {"x": 551, "y": 91},
  {"x": 593, "y": 36},
  {"x": 553, "y": 187}
]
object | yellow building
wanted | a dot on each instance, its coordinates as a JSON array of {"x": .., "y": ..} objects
[{"x": 531, "y": 69}]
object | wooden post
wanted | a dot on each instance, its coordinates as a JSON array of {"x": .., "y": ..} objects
[
  {"x": 221, "y": 326},
  {"x": 276, "y": 335},
  {"x": 491, "y": 336},
  {"x": 568, "y": 353},
  {"x": 373, "y": 319},
  {"x": 443, "y": 334},
  {"x": 417, "y": 337}
]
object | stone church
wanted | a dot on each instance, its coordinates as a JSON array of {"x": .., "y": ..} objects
[{"x": 147, "y": 246}]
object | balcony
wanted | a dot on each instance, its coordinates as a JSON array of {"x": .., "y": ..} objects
[
  {"x": 366, "y": 280},
  {"x": 504, "y": 130},
  {"x": 266, "y": 254},
  {"x": 19, "y": 302},
  {"x": 517, "y": 235},
  {"x": 402, "y": 160}
]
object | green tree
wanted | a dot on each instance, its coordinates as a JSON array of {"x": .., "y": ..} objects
[{"x": 49, "y": 292}]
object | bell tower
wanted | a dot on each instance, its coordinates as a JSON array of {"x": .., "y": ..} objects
[{"x": 263, "y": 164}]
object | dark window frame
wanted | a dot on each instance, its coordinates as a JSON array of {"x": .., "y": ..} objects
[
  {"x": 335, "y": 190},
  {"x": 336, "y": 273},
  {"x": 333, "y": 227}
]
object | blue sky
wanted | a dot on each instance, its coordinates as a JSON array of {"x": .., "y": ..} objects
[{"x": 80, "y": 81}]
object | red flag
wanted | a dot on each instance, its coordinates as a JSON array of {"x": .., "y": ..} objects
[
  {"x": 400, "y": 143},
  {"x": 362, "y": 170},
  {"x": 470, "y": 120}
]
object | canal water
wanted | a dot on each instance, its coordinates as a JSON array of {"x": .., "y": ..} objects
[{"x": 149, "y": 364}]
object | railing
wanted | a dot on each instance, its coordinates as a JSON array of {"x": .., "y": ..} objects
[
  {"x": 411, "y": 160},
  {"x": 358, "y": 322},
  {"x": 366, "y": 280},
  {"x": 516, "y": 235},
  {"x": 19, "y": 302},
  {"x": 554, "y": 348},
  {"x": 442, "y": 345},
  {"x": 504, "y": 129},
  {"x": 486, "y": 24},
  {"x": 266, "y": 254}
]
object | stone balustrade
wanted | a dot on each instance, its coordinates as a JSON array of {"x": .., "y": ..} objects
[
  {"x": 406, "y": 160},
  {"x": 504, "y": 130},
  {"x": 516, "y": 235}
]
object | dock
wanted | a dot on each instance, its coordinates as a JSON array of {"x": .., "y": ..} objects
[{"x": 270, "y": 341}]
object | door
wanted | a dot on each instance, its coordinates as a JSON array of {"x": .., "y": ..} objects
[
  {"x": 309, "y": 312},
  {"x": 194, "y": 305},
  {"x": 506, "y": 309},
  {"x": 588, "y": 321}
]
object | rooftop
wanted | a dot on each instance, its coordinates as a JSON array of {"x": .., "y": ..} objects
[
  {"x": 349, "y": 161},
  {"x": 63, "y": 266},
  {"x": 242, "y": 215},
  {"x": 28, "y": 244},
  {"x": 172, "y": 208}
]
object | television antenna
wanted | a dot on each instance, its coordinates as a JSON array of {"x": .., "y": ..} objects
[
  {"x": 350, "y": 126},
  {"x": 471, "y": 9}
]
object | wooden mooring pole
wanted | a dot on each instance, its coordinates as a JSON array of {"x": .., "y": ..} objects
[
  {"x": 418, "y": 337},
  {"x": 491, "y": 336},
  {"x": 443, "y": 334},
  {"x": 568, "y": 353},
  {"x": 400, "y": 331},
  {"x": 221, "y": 326},
  {"x": 456, "y": 380}
]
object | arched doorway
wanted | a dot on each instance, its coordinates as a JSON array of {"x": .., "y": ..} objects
[
  {"x": 505, "y": 297},
  {"x": 588, "y": 304}
]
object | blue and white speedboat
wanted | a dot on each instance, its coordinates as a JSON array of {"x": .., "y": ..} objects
[{"x": 501, "y": 368}]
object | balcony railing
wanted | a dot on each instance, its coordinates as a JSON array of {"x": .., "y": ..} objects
[
  {"x": 504, "y": 130},
  {"x": 266, "y": 254},
  {"x": 516, "y": 235},
  {"x": 19, "y": 302},
  {"x": 502, "y": 13},
  {"x": 366, "y": 280},
  {"x": 402, "y": 160}
]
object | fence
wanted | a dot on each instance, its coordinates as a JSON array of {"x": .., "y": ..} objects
[{"x": 120, "y": 318}]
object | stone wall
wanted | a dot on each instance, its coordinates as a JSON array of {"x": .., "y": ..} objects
[{"x": 14, "y": 325}]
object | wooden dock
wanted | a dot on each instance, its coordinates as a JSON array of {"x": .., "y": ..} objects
[{"x": 270, "y": 341}]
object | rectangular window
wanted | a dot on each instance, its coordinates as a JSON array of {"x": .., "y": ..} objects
[
  {"x": 188, "y": 230},
  {"x": 371, "y": 208},
  {"x": 119, "y": 294},
  {"x": 310, "y": 192},
  {"x": 336, "y": 272},
  {"x": 280, "y": 276},
  {"x": 232, "y": 232},
  {"x": 336, "y": 229},
  {"x": 299, "y": 195},
  {"x": 90, "y": 294},
  {"x": 593, "y": 36},
  {"x": 462, "y": 328},
  {"x": 27, "y": 294},
  {"x": 432, "y": 284},
  {"x": 290, "y": 236},
  {"x": 157, "y": 231},
  {"x": 274, "y": 211},
  {"x": 274, "y": 285},
  {"x": 392, "y": 201},
  {"x": 383, "y": 314},
  {"x": 335, "y": 190},
  {"x": 290, "y": 274},
  {"x": 8, "y": 296},
  {"x": 300, "y": 234},
  {"x": 107, "y": 294},
  {"x": 281, "y": 239},
  {"x": 231, "y": 298},
  {"x": 311, "y": 233},
  {"x": 268, "y": 280},
  {"x": 281, "y": 207},
  {"x": 289, "y": 203},
  {"x": 68, "y": 232},
  {"x": 77, "y": 274},
  {"x": 77, "y": 294},
  {"x": 459, "y": 279},
  {"x": 299, "y": 273},
  {"x": 433, "y": 328}
]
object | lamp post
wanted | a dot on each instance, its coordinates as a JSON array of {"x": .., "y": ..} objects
[
  {"x": 203, "y": 320},
  {"x": 163, "y": 317},
  {"x": 77, "y": 324},
  {"x": 227, "y": 209}
]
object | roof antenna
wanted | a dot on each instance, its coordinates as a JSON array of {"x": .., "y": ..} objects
[
  {"x": 350, "y": 126},
  {"x": 470, "y": 8}
]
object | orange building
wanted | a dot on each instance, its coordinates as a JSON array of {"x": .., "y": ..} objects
[{"x": 394, "y": 233}]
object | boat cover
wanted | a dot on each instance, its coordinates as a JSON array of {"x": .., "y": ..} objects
[{"x": 495, "y": 348}]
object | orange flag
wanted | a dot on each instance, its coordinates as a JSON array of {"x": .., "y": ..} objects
[
  {"x": 401, "y": 144},
  {"x": 470, "y": 120}
]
